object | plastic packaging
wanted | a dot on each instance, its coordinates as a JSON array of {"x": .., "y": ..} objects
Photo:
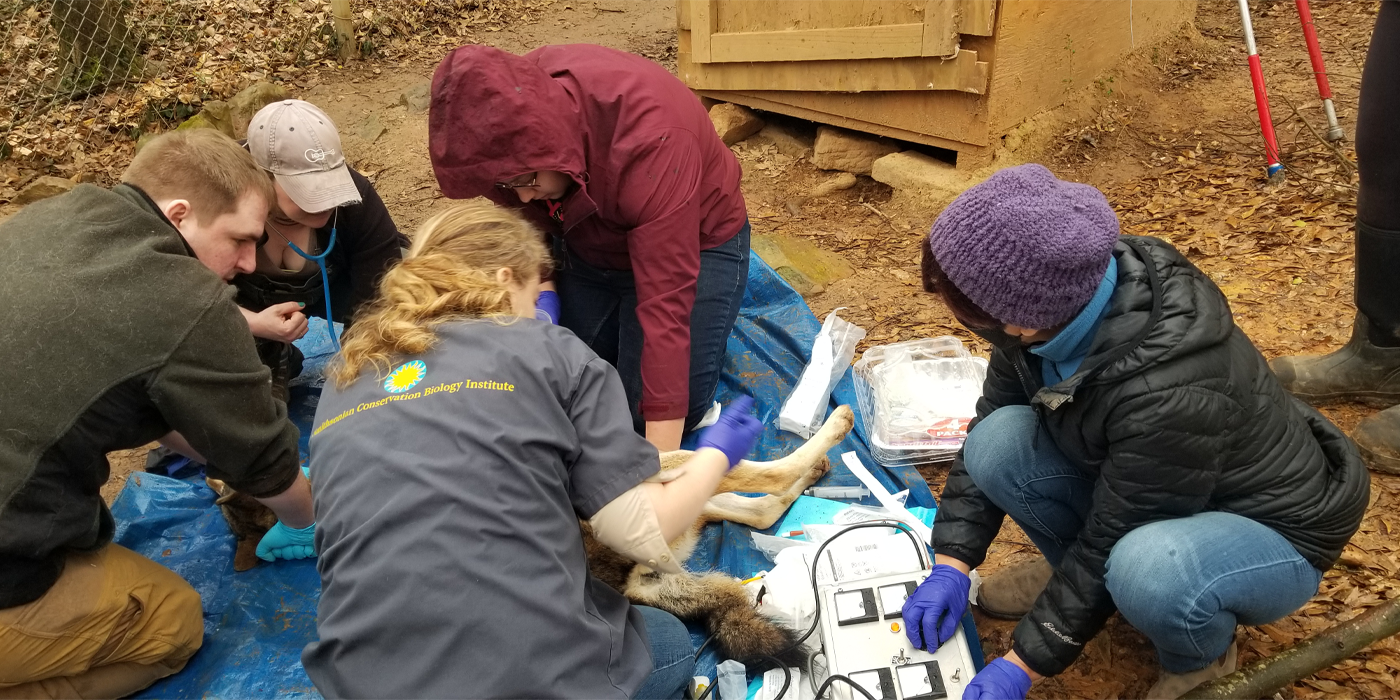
[
  {"x": 832, "y": 351},
  {"x": 770, "y": 545},
  {"x": 773, "y": 683},
  {"x": 834, "y": 492},
  {"x": 731, "y": 681},
  {"x": 917, "y": 399},
  {"x": 789, "y": 591}
]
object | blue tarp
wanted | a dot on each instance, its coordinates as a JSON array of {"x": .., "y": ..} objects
[{"x": 256, "y": 622}]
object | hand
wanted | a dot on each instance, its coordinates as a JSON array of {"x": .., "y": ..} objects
[
  {"x": 932, "y": 614},
  {"x": 281, "y": 322},
  {"x": 282, "y": 542},
  {"x": 736, "y": 432},
  {"x": 999, "y": 680},
  {"x": 547, "y": 307}
]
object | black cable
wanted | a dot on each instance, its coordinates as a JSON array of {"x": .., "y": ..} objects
[
  {"x": 847, "y": 681},
  {"x": 704, "y": 646}
]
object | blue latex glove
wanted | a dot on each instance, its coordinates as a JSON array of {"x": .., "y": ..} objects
[
  {"x": 736, "y": 432},
  {"x": 932, "y": 614},
  {"x": 282, "y": 542},
  {"x": 547, "y": 307},
  {"x": 999, "y": 680}
]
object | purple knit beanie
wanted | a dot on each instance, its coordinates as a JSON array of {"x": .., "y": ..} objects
[{"x": 1026, "y": 247}]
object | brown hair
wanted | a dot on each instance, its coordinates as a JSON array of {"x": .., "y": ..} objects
[
  {"x": 448, "y": 275},
  {"x": 203, "y": 166},
  {"x": 936, "y": 282}
]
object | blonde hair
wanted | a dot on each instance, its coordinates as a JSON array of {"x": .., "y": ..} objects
[
  {"x": 203, "y": 166},
  {"x": 448, "y": 275}
]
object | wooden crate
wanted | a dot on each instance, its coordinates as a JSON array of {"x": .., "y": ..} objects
[{"x": 956, "y": 74}]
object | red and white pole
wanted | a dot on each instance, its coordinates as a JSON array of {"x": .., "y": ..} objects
[
  {"x": 1324, "y": 89},
  {"x": 1261, "y": 98}
]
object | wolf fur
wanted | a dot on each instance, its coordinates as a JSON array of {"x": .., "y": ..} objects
[{"x": 715, "y": 599}]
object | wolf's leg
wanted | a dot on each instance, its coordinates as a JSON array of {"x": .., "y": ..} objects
[
  {"x": 777, "y": 477},
  {"x": 760, "y": 512}
]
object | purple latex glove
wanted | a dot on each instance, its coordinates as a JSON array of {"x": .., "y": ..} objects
[
  {"x": 999, "y": 680},
  {"x": 736, "y": 432},
  {"x": 547, "y": 307},
  {"x": 932, "y": 614}
]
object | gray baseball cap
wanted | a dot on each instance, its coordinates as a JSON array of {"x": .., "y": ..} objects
[{"x": 297, "y": 142}]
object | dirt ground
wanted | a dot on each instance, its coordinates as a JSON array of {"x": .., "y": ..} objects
[{"x": 1169, "y": 135}]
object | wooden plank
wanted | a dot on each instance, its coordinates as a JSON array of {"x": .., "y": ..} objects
[
  {"x": 683, "y": 12},
  {"x": 702, "y": 28},
  {"x": 977, "y": 17},
  {"x": 963, "y": 73},
  {"x": 1048, "y": 49},
  {"x": 887, "y": 41},
  {"x": 742, "y": 16},
  {"x": 940, "y": 28},
  {"x": 946, "y": 119}
]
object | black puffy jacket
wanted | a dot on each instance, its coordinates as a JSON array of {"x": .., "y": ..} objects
[{"x": 1174, "y": 412}]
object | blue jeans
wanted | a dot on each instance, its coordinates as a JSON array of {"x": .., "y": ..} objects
[
  {"x": 600, "y": 307},
  {"x": 672, "y": 656},
  {"x": 1185, "y": 583}
]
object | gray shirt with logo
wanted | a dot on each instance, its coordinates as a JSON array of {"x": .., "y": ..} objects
[{"x": 448, "y": 496}]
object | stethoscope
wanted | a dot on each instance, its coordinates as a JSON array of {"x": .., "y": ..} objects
[{"x": 320, "y": 261}]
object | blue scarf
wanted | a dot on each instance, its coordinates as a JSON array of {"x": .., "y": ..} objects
[{"x": 1064, "y": 353}]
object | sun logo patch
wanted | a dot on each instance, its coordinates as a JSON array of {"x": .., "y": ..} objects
[{"x": 405, "y": 377}]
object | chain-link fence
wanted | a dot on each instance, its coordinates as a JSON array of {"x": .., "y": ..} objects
[{"x": 81, "y": 80}]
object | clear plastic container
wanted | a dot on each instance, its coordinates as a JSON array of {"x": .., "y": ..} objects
[{"x": 917, "y": 398}]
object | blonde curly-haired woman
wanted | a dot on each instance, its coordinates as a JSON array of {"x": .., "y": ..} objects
[{"x": 456, "y": 449}]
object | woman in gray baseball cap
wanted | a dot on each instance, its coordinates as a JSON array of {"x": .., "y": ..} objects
[{"x": 326, "y": 243}]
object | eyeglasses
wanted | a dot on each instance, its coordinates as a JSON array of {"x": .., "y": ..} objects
[{"x": 516, "y": 183}]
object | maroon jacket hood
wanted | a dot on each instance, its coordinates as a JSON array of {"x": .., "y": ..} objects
[{"x": 495, "y": 116}]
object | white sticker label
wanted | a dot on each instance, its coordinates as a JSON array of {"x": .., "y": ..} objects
[
  {"x": 892, "y": 598},
  {"x": 850, "y": 605},
  {"x": 913, "y": 680},
  {"x": 870, "y": 680}
]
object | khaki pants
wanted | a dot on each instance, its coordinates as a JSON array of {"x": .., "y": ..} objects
[{"x": 114, "y": 623}]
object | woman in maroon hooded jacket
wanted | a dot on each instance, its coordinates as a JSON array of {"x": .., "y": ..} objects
[{"x": 618, "y": 160}]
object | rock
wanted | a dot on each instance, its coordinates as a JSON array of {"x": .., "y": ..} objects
[
  {"x": 911, "y": 170},
  {"x": 371, "y": 129},
  {"x": 810, "y": 266},
  {"x": 734, "y": 123},
  {"x": 789, "y": 141},
  {"x": 798, "y": 281},
  {"x": 208, "y": 119},
  {"x": 247, "y": 103},
  {"x": 838, "y": 149},
  {"x": 843, "y": 181},
  {"x": 85, "y": 176},
  {"x": 418, "y": 97},
  {"x": 43, "y": 188}
]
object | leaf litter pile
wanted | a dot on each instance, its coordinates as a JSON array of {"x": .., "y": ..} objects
[
  {"x": 1171, "y": 137},
  {"x": 191, "y": 52}
]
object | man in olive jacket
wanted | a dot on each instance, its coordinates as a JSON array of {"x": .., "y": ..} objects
[{"x": 118, "y": 328}]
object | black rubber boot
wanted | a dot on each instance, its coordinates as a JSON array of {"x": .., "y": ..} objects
[
  {"x": 1378, "y": 437},
  {"x": 1360, "y": 371}
]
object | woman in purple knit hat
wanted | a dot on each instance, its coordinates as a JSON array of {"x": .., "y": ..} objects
[{"x": 1134, "y": 433}]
